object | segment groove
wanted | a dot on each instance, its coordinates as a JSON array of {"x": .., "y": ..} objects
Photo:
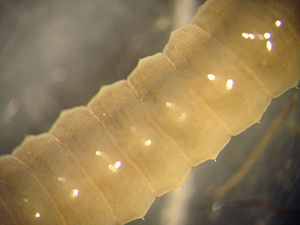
[
  {"x": 78, "y": 164},
  {"x": 119, "y": 148},
  {"x": 202, "y": 101},
  {"x": 245, "y": 66},
  {"x": 23, "y": 164},
  {"x": 250, "y": 73},
  {"x": 8, "y": 210},
  {"x": 156, "y": 125}
]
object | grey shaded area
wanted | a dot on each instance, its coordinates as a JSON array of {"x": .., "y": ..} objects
[
  {"x": 57, "y": 54},
  {"x": 274, "y": 178}
]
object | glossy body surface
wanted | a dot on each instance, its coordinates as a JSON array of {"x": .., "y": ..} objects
[{"x": 178, "y": 108}]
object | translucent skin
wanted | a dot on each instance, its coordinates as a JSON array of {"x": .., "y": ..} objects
[{"x": 137, "y": 139}]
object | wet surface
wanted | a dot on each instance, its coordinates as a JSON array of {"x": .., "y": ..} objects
[{"x": 57, "y": 54}]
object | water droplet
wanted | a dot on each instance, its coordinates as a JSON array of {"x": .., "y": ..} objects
[
  {"x": 115, "y": 167},
  {"x": 267, "y": 35},
  {"x": 229, "y": 84},
  {"x": 169, "y": 104},
  {"x": 148, "y": 142},
  {"x": 61, "y": 179},
  {"x": 251, "y": 36},
  {"x": 118, "y": 164},
  {"x": 98, "y": 153},
  {"x": 111, "y": 167},
  {"x": 245, "y": 35},
  {"x": 278, "y": 23},
  {"x": 211, "y": 76},
  {"x": 269, "y": 45},
  {"x": 74, "y": 193}
]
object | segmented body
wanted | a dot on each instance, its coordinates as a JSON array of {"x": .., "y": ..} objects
[{"x": 138, "y": 139}]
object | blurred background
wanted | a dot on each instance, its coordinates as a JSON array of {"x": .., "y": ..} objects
[{"x": 57, "y": 54}]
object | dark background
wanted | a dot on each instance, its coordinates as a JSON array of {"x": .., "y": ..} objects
[{"x": 57, "y": 54}]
